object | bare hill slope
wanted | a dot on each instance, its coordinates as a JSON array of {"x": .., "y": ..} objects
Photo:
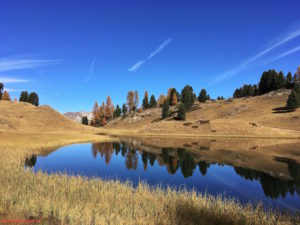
[
  {"x": 21, "y": 116},
  {"x": 262, "y": 116}
]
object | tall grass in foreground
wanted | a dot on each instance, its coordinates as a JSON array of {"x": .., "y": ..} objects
[
  {"x": 78, "y": 200},
  {"x": 62, "y": 199}
]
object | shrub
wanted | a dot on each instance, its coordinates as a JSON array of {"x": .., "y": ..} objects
[
  {"x": 165, "y": 109},
  {"x": 85, "y": 120},
  {"x": 293, "y": 101},
  {"x": 181, "y": 112},
  {"x": 33, "y": 99},
  {"x": 203, "y": 96},
  {"x": 152, "y": 102},
  {"x": 188, "y": 97}
]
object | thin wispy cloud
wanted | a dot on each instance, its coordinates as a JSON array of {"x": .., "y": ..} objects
[
  {"x": 287, "y": 53},
  {"x": 160, "y": 48},
  {"x": 19, "y": 63},
  {"x": 138, "y": 64},
  {"x": 12, "y": 80},
  {"x": 247, "y": 63},
  {"x": 91, "y": 71}
]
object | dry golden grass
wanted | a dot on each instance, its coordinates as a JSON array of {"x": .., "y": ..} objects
[
  {"x": 62, "y": 199},
  {"x": 246, "y": 117},
  {"x": 21, "y": 116}
]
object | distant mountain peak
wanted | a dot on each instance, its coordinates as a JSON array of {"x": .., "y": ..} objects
[{"x": 77, "y": 116}]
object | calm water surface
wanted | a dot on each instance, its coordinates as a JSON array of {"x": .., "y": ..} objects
[{"x": 176, "y": 167}]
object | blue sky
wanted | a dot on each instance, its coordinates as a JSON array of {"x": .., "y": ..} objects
[{"x": 75, "y": 52}]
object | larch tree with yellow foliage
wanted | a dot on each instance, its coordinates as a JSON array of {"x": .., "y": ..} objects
[
  {"x": 5, "y": 96},
  {"x": 109, "y": 109},
  {"x": 174, "y": 99}
]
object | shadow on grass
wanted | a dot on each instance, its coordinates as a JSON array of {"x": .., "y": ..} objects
[
  {"x": 282, "y": 110},
  {"x": 156, "y": 120},
  {"x": 188, "y": 213}
]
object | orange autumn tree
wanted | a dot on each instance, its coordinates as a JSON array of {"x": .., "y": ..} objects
[
  {"x": 109, "y": 109},
  {"x": 130, "y": 100},
  {"x": 174, "y": 99},
  {"x": 169, "y": 93},
  {"x": 161, "y": 99},
  {"x": 95, "y": 114},
  {"x": 5, "y": 96},
  {"x": 136, "y": 100},
  {"x": 102, "y": 115}
]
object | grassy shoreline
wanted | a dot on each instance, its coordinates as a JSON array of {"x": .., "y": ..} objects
[
  {"x": 62, "y": 199},
  {"x": 187, "y": 135}
]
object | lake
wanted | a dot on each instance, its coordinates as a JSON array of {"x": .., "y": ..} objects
[{"x": 264, "y": 171}]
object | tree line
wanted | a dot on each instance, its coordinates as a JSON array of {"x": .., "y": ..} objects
[
  {"x": 272, "y": 80},
  {"x": 182, "y": 102},
  {"x": 4, "y": 95},
  {"x": 32, "y": 98}
]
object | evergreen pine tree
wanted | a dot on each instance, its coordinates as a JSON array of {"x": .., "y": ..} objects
[
  {"x": 33, "y": 98},
  {"x": 23, "y": 96},
  {"x": 203, "y": 96},
  {"x": 289, "y": 80},
  {"x": 85, "y": 120},
  {"x": 1, "y": 90},
  {"x": 152, "y": 102},
  {"x": 181, "y": 112},
  {"x": 293, "y": 101},
  {"x": 146, "y": 101},
  {"x": 187, "y": 96},
  {"x": 165, "y": 109},
  {"x": 117, "y": 112},
  {"x": 124, "y": 109}
]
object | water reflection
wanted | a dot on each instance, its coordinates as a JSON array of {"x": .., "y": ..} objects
[
  {"x": 175, "y": 158},
  {"x": 30, "y": 162},
  {"x": 159, "y": 164}
]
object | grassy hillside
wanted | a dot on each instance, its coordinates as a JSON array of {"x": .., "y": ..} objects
[
  {"x": 254, "y": 116},
  {"x": 21, "y": 116}
]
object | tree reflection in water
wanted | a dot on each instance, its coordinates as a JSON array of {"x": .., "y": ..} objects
[
  {"x": 175, "y": 158},
  {"x": 31, "y": 161},
  {"x": 274, "y": 187}
]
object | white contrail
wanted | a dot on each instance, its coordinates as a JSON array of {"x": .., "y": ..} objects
[
  {"x": 12, "y": 80},
  {"x": 91, "y": 70},
  {"x": 138, "y": 64},
  {"x": 160, "y": 48},
  {"x": 18, "y": 63},
  {"x": 289, "y": 52},
  {"x": 247, "y": 62}
]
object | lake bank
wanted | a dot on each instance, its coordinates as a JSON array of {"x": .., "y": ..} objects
[{"x": 67, "y": 199}]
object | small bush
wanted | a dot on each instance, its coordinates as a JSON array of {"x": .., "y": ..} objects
[
  {"x": 293, "y": 101},
  {"x": 181, "y": 112},
  {"x": 165, "y": 109}
]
